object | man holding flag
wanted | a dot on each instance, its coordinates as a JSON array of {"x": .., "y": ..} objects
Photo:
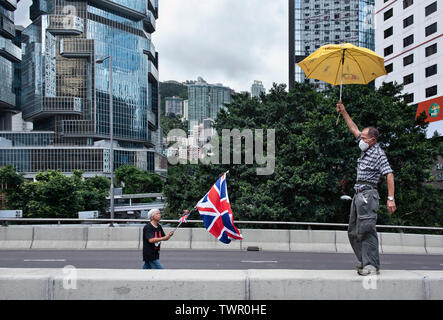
[{"x": 153, "y": 235}]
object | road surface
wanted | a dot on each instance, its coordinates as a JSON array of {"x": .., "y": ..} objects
[{"x": 208, "y": 259}]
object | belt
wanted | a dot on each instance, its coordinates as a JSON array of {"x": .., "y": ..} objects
[
  {"x": 364, "y": 187},
  {"x": 367, "y": 183}
]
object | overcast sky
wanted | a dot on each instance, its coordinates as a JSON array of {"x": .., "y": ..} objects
[{"x": 233, "y": 42}]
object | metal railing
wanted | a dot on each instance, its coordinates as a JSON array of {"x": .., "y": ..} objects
[{"x": 141, "y": 221}]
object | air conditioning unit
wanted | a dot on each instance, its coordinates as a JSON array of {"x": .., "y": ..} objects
[{"x": 88, "y": 214}]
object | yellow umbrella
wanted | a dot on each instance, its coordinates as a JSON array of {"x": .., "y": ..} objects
[{"x": 345, "y": 63}]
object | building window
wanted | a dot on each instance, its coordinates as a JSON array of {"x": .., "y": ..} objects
[
  {"x": 408, "y": 21},
  {"x": 431, "y": 91},
  {"x": 389, "y": 32},
  {"x": 408, "y": 41},
  {"x": 430, "y": 71},
  {"x": 430, "y": 9},
  {"x": 409, "y": 98},
  {"x": 408, "y": 60},
  {"x": 432, "y": 49},
  {"x": 389, "y": 68},
  {"x": 389, "y": 50},
  {"x": 408, "y": 79},
  {"x": 407, "y": 3},
  {"x": 388, "y": 14},
  {"x": 431, "y": 29}
]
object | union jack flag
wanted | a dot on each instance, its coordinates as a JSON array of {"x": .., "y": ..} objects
[
  {"x": 184, "y": 218},
  {"x": 216, "y": 212}
]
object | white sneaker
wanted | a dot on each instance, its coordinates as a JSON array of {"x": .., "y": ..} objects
[{"x": 368, "y": 270}]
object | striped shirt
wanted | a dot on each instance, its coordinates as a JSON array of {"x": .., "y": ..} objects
[{"x": 371, "y": 165}]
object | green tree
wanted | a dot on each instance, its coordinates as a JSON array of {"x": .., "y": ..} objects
[
  {"x": 138, "y": 181},
  {"x": 316, "y": 160},
  {"x": 54, "y": 195}
]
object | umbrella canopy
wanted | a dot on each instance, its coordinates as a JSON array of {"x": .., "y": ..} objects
[{"x": 343, "y": 64}]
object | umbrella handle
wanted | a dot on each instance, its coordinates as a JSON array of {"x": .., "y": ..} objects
[{"x": 341, "y": 92}]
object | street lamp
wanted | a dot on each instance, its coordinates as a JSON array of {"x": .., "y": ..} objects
[{"x": 111, "y": 131}]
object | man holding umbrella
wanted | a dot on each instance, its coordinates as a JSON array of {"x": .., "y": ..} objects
[{"x": 371, "y": 165}]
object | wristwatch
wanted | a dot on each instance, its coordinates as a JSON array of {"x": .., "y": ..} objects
[{"x": 391, "y": 198}]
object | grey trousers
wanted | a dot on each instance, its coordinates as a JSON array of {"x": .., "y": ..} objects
[{"x": 362, "y": 232}]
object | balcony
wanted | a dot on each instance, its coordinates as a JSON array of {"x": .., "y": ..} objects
[
  {"x": 7, "y": 98},
  {"x": 76, "y": 48},
  {"x": 151, "y": 52},
  {"x": 10, "y": 5},
  {"x": 152, "y": 72},
  {"x": 119, "y": 9},
  {"x": 10, "y": 51},
  {"x": 152, "y": 119},
  {"x": 7, "y": 28},
  {"x": 149, "y": 22},
  {"x": 153, "y": 6},
  {"x": 64, "y": 24}
]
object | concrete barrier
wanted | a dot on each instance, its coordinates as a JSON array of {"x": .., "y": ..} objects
[
  {"x": 16, "y": 237},
  {"x": 90, "y": 284},
  {"x": 312, "y": 241},
  {"x": 202, "y": 239},
  {"x": 434, "y": 244},
  {"x": 113, "y": 238},
  {"x": 59, "y": 238},
  {"x": 401, "y": 243},
  {"x": 345, "y": 285},
  {"x": 103, "y": 237},
  {"x": 273, "y": 240},
  {"x": 342, "y": 242}
]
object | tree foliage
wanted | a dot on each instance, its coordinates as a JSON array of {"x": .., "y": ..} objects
[
  {"x": 138, "y": 181},
  {"x": 54, "y": 195},
  {"x": 316, "y": 160}
]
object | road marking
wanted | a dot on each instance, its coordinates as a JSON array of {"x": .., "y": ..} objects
[
  {"x": 44, "y": 260},
  {"x": 251, "y": 261}
]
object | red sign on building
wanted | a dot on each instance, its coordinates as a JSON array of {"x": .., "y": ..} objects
[{"x": 433, "y": 109}]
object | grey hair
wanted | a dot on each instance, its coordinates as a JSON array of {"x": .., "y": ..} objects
[
  {"x": 151, "y": 213},
  {"x": 373, "y": 133}
]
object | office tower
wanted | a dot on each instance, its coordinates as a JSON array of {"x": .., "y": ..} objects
[
  {"x": 10, "y": 56},
  {"x": 313, "y": 24},
  {"x": 206, "y": 100},
  {"x": 174, "y": 105},
  {"x": 65, "y": 88},
  {"x": 409, "y": 37},
  {"x": 257, "y": 88}
]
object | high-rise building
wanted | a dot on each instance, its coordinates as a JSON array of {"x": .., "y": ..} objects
[
  {"x": 206, "y": 100},
  {"x": 174, "y": 105},
  {"x": 10, "y": 55},
  {"x": 65, "y": 91},
  {"x": 257, "y": 89},
  {"x": 410, "y": 38},
  {"x": 313, "y": 24}
]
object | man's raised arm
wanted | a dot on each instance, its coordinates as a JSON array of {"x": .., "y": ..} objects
[{"x": 352, "y": 126}]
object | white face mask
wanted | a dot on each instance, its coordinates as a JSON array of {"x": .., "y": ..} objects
[{"x": 363, "y": 145}]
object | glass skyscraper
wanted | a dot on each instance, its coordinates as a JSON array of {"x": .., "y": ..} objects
[
  {"x": 206, "y": 100},
  {"x": 10, "y": 55},
  {"x": 313, "y": 24},
  {"x": 65, "y": 91}
]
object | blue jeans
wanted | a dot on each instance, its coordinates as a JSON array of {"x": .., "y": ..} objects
[{"x": 153, "y": 265}]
